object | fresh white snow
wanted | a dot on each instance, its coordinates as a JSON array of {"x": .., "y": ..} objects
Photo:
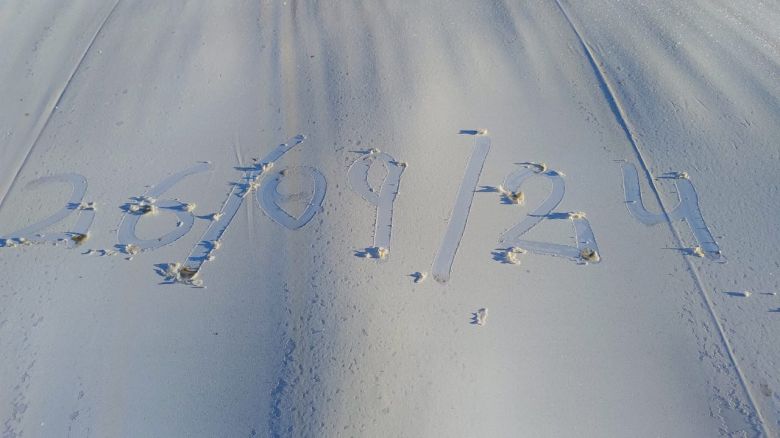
[{"x": 177, "y": 259}]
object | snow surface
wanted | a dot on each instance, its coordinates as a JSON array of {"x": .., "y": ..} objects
[{"x": 286, "y": 329}]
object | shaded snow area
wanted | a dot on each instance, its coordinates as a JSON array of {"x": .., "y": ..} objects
[{"x": 288, "y": 218}]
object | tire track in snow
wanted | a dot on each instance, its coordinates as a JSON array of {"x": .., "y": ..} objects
[
  {"x": 620, "y": 117},
  {"x": 56, "y": 103}
]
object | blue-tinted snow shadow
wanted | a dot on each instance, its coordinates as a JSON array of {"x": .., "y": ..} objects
[
  {"x": 486, "y": 189},
  {"x": 735, "y": 294}
]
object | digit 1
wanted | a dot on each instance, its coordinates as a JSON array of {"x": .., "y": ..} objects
[{"x": 442, "y": 263}]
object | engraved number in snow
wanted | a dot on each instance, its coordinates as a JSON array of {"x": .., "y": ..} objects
[
  {"x": 383, "y": 198},
  {"x": 587, "y": 249},
  {"x": 130, "y": 219},
  {"x": 34, "y": 233}
]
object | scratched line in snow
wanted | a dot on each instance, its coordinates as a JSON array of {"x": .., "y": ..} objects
[{"x": 442, "y": 264}]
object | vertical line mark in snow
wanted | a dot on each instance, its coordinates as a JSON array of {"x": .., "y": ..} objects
[
  {"x": 240, "y": 163},
  {"x": 237, "y": 150},
  {"x": 620, "y": 116},
  {"x": 56, "y": 103},
  {"x": 442, "y": 264},
  {"x": 200, "y": 253}
]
